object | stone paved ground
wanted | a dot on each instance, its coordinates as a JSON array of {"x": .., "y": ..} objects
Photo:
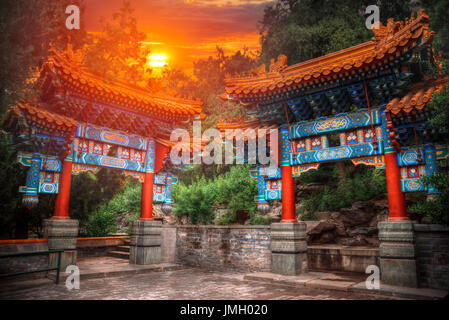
[{"x": 189, "y": 284}]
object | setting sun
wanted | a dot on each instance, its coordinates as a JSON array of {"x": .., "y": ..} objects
[{"x": 157, "y": 60}]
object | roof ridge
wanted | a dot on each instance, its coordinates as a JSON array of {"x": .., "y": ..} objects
[{"x": 65, "y": 62}]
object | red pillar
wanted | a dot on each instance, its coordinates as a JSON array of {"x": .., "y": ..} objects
[
  {"x": 146, "y": 209},
  {"x": 63, "y": 198},
  {"x": 288, "y": 195},
  {"x": 396, "y": 199}
]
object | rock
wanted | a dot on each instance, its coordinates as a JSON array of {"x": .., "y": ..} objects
[
  {"x": 321, "y": 227},
  {"x": 184, "y": 219},
  {"x": 276, "y": 214},
  {"x": 360, "y": 214},
  {"x": 310, "y": 225},
  {"x": 372, "y": 241},
  {"x": 340, "y": 229},
  {"x": 364, "y": 231},
  {"x": 358, "y": 240},
  {"x": 171, "y": 220},
  {"x": 324, "y": 215},
  {"x": 355, "y": 226},
  {"x": 327, "y": 237}
]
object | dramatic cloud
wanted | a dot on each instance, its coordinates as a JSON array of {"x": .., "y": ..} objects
[{"x": 189, "y": 29}]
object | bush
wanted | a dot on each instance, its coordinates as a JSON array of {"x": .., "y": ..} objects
[
  {"x": 194, "y": 202},
  {"x": 437, "y": 209},
  {"x": 101, "y": 223},
  {"x": 234, "y": 189},
  {"x": 259, "y": 219},
  {"x": 363, "y": 184}
]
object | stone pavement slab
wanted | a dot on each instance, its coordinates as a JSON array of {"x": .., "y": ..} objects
[
  {"x": 411, "y": 293},
  {"x": 347, "y": 282},
  {"x": 189, "y": 284},
  {"x": 104, "y": 267}
]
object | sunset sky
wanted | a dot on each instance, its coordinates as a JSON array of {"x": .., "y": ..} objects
[{"x": 186, "y": 30}]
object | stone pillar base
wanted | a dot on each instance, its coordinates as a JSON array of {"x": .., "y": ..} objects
[
  {"x": 288, "y": 248},
  {"x": 146, "y": 242},
  {"x": 397, "y": 253},
  {"x": 61, "y": 235}
]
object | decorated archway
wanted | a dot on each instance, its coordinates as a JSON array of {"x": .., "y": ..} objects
[{"x": 80, "y": 123}]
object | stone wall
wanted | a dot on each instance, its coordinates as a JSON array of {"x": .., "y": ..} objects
[
  {"x": 169, "y": 243},
  {"x": 341, "y": 258},
  {"x": 26, "y": 263},
  {"x": 432, "y": 255},
  {"x": 97, "y": 247},
  {"x": 243, "y": 248},
  {"x": 86, "y": 247}
]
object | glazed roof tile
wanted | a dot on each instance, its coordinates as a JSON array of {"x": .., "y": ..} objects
[
  {"x": 416, "y": 100},
  {"x": 388, "y": 42},
  {"x": 74, "y": 77},
  {"x": 37, "y": 114}
]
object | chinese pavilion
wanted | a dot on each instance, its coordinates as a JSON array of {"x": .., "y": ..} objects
[
  {"x": 367, "y": 104},
  {"x": 80, "y": 123}
]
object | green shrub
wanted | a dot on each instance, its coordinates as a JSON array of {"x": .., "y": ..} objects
[
  {"x": 259, "y": 219},
  {"x": 362, "y": 184},
  {"x": 227, "y": 219},
  {"x": 101, "y": 223},
  {"x": 194, "y": 202},
  {"x": 438, "y": 209},
  {"x": 234, "y": 189}
]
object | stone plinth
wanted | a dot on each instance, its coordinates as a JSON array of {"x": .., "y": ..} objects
[
  {"x": 288, "y": 248},
  {"x": 146, "y": 241},
  {"x": 61, "y": 235},
  {"x": 397, "y": 253}
]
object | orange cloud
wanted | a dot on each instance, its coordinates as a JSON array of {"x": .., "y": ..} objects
[{"x": 186, "y": 30}]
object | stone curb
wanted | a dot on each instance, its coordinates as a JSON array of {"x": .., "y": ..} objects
[
  {"x": 119, "y": 273},
  {"x": 315, "y": 281}
]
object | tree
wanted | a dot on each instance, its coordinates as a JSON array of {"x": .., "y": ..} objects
[
  {"x": 117, "y": 53},
  {"x": 89, "y": 191},
  {"x": 28, "y": 28},
  {"x": 307, "y": 29},
  {"x": 439, "y": 22},
  {"x": 437, "y": 209}
]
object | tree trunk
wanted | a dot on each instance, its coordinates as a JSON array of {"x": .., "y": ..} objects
[
  {"x": 21, "y": 230},
  {"x": 341, "y": 170}
]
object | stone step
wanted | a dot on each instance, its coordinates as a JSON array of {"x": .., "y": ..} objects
[
  {"x": 119, "y": 254},
  {"x": 115, "y": 270},
  {"x": 123, "y": 248}
]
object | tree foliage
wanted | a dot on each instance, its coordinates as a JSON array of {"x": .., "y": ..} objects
[
  {"x": 439, "y": 22},
  {"x": 437, "y": 209},
  {"x": 307, "y": 29},
  {"x": 363, "y": 184},
  {"x": 117, "y": 53},
  {"x": 234, "y": 190},
  {"x": 89, "y": 191},
  {"x": 28, "y": 28}
]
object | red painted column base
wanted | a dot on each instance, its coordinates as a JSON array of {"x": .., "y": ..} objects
[
  {"x": 63, "y": 198},
  {"x": 288, "y": 195},
  {"x": 146, "y": 210},
  {"x": 396, "y": 199}
]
